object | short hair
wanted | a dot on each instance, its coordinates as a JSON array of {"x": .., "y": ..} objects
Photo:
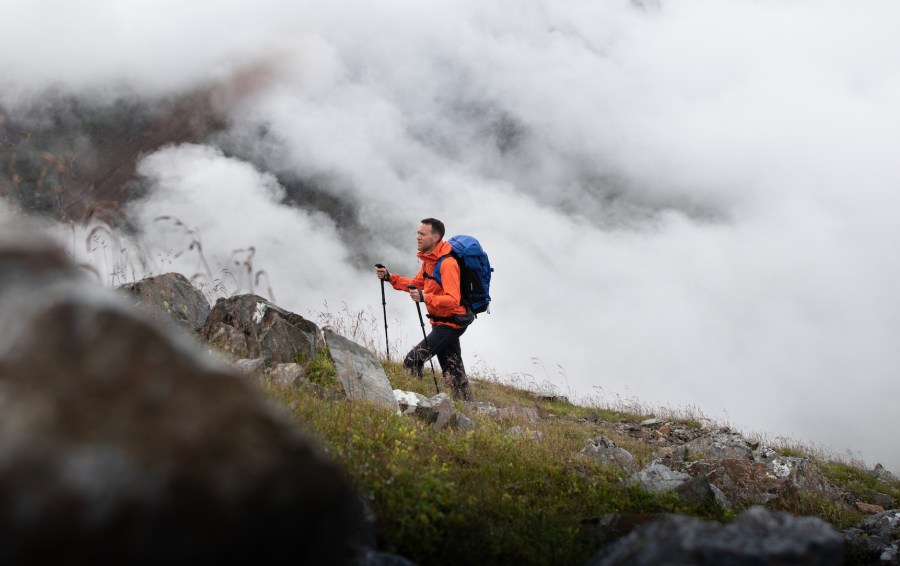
[{"x": 436, "y": 226}]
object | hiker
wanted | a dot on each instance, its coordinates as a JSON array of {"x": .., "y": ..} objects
[{"x": 443, "y": 303}]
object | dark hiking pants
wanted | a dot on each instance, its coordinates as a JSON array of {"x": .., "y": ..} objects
[{"x": 443, "y": 342}]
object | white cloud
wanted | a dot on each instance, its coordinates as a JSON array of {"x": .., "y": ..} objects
[{"x": 692, "y": 202}]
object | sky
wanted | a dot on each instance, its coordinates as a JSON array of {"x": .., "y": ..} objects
[{"x": 687, "y": 204}]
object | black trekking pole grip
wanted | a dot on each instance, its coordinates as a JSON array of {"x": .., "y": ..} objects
[
  {"x": 425, "y": 337},
  {"x": 387, "y": 348}
]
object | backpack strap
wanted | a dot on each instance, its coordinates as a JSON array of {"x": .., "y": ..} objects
[{"x": 436, "y": 273}]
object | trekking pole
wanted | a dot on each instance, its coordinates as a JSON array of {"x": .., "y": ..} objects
[
  {"x": 387, "y": 349},
  {"x": 425, "y": 336}
]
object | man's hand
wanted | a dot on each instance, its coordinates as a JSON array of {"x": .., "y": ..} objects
[
  {"x": 382, "y": 273},
  {"x": 416, "y": 294}
]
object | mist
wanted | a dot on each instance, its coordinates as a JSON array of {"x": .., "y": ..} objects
[{"x": 689, "y": 204}]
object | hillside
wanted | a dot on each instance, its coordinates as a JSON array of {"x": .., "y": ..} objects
[{"x": 520, "y": 489}]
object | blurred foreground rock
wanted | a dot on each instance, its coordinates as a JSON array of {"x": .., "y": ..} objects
[
  {"x": 755, "y": 538},
  {"x": 122, "y": 445}
]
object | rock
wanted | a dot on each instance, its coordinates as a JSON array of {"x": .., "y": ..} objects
[
  {"x": 359, "y": 372},
  {"x": 651, "y": 422},
  {"x": 868, "y": 508},
  {"x": 880, "y": 473},
  {"x": 593, "y": 417},
  {"x": 756, "y": 537},
  {"x": 605, "y": 451},
  {"x": 481, "y": 408},
  {"x": 884, "y": 500},
  {"x": 249, "y": 326},
  {"x": 721, "y": 444},
  {"x": 657, "y": 477},
  {"x": 170, "y": 298},
  {"x": 255, "y": 368},
  {"x": 551, "y": 398},
  {"x": 877, "y": 539},
  {"x": 120, "y": 444},
  {"x": 409, "y": 400},
  {"x": 697, "y": 490},
  {"x": 429, "y": 409},
  {"x": 448, "y": 418},
  {"x": 287, "y": 374}
]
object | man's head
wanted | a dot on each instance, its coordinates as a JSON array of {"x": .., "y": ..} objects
[{"x": 430, "y": 232}]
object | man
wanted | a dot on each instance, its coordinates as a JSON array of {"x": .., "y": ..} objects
[{"x": 448, "y": 316}]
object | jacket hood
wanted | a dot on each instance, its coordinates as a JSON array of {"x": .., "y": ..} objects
[{"x": 441, "y": 249}]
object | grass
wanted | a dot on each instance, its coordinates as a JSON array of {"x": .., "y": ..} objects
[{"x": 483, "y": 496}]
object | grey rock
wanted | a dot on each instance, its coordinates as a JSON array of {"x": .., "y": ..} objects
[
  {"x": 359, "y": 372},
  {"x": 448, "y": 418},
  {"x": 287, "y": 374},
  {"x": 251, "y": 368},
  {"x": 697, "y": 490},
  {"x": 880, "y": 473},
  {"x": 657, "y": 477},
  {"x": 123, "y": 444},
  {"x": 408, "y": 401},
  {"x": 877, "y": 538},
  {"x": 757, "y": 537},
  {"x": 481, "y": 408},
  {"x": 721, "y": 444},
  {"x": 605, "y": 451},
  {"x": 170, "y": 298},
  {"x": 249, "y": 326},
  {"x": 652, "y": 422}
]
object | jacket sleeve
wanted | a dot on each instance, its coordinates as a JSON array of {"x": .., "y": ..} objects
[
  {"x": 450, "y": 299},
  {"x": 401, "y": 283}
]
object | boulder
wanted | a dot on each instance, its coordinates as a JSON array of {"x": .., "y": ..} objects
[
  {"x": 756, "y": 537},
  {"x": 359, "y": 372},
  {"x": 122, "y": 444},
  {"x": 249, "y": 326},
  {"x": 170, "y": 298}
]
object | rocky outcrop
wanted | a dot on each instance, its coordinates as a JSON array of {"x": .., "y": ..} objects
[
  {"x": 758, "y": 536},
  {"x": 249, "y": 326},
  {"x": 121, "y": 444},
  {"x": 171, "y": 299},
  {"x": 877, "y": 539}
]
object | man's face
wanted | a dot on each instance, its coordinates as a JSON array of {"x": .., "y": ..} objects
[{"x": 426, "y": 238}]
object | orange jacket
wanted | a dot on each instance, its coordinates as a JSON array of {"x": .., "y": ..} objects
[{"x": 439, "y": 300}]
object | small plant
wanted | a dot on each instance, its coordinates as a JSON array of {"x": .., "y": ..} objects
[{"x": 320, "y": 369}]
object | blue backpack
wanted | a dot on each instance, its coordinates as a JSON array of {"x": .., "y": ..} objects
[{"x": 474, "y": 272}]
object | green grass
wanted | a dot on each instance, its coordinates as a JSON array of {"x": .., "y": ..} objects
[
  {"x": 484, "y": 496},
  {"x": 858, "y": 482}
]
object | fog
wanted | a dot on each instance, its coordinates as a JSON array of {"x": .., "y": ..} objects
[{"x": 688, "y": 204}]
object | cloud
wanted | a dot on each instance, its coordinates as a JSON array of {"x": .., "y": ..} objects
[{"x": 691, "y": 203}]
